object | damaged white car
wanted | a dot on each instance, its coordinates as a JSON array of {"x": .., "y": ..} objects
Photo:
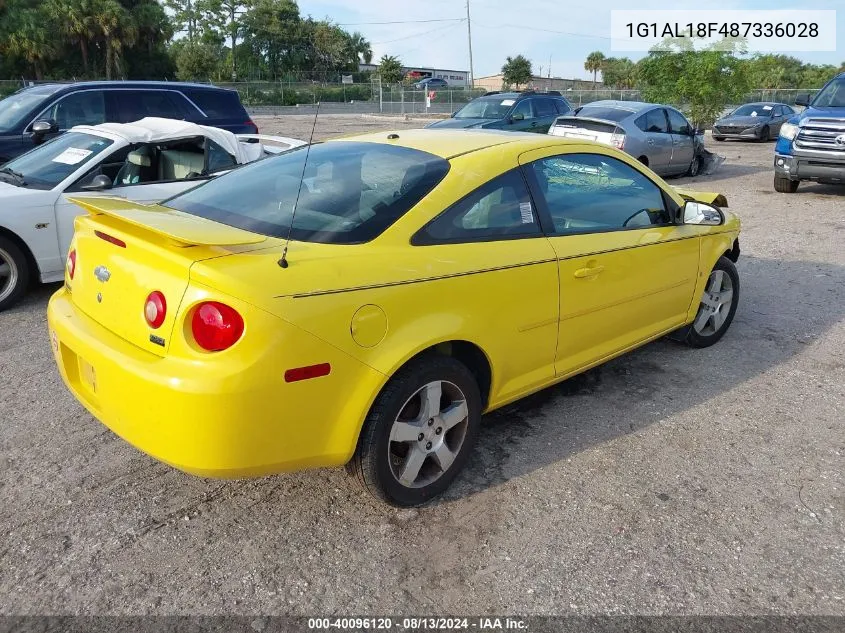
[{"x": 146, "y": 161}]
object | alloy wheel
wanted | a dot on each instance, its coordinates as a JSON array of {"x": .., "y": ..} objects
[
  {"x": 428, "y": 434},
  {"x": 715, "y": 304},
  {"x": 8, "y": 274}
]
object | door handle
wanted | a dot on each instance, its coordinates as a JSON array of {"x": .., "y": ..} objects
[
  {"x": 650, "y": 141},
  {"x": 590, "y": 271}
]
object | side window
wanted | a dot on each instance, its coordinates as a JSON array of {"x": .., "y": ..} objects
[
  {"x": 589, "y": 193},
  {"x": 216, "y": 104},
  {"x": 642, "y": 122},
  {"x": 499, "y": 209},
  {"x": 655, "y": 121},
  {"x": 134, "y": 105},
  {"x": 524, "y": 108},
  {"x": 111, "y": 166},
  {"x": 217, "y": 158},
  {"x": 545, "y": 107},
  {"x": 679, "y": 123},
  {"x": 788, "y": 111},
  {"x": 80, "y": 108}
]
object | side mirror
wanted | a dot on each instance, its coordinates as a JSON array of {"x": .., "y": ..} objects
[
  {"x": 99, "y": 183},
  {"x": 517, "y": 116},
  {"x": 695, "y": 212},
  {"x": 802, "y": 100},
  {"x": 42, "y": 127}
]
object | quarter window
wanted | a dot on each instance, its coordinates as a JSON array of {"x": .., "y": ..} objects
[
  {"x": 590, "y": 193},
  {"x": 500, "y": 209},
  {"x": 545, "y": 107}
]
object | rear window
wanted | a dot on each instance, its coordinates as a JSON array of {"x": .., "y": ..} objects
[
  {"x": 217, "y": 104},
  {"x": 611, "y": 114},
  {"x": 351, "y": 192}
]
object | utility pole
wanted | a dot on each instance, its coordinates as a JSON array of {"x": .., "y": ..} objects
[{"x": 469, "y": 39}]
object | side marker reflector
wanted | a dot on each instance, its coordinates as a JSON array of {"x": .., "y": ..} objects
[{"x": 306, "y": 373}]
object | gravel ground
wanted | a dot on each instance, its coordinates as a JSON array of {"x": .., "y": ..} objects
[{"x": 667, "y": 481}]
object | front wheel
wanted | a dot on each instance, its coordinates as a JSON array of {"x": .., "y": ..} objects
[
  {"x": 695, "y": 165},
  {"x": 717, "y": 307},
  {"x": 14, "y": 273},
  {"x": 764, "y": 135},
  {"x": 419, "y": 432},
  {"x": 785, "y": 185}
]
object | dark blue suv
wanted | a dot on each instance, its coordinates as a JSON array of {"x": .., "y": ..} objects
[{"x": 38, "y": 113}]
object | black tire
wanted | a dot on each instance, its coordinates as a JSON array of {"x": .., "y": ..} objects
[
  {"x": 719, "y": 138},
  {"x": 764, "y": 134},
  {"x": 13, "y": 285},
  {"x": 374, "y": 462},
  {"x": 694, "y": 166},
  {"x": 695, "y": 338},
  {"x": 785, "y": 185},
  {"x": 643, "y": 160}
]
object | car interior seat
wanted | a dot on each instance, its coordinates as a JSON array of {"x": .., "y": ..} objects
[
  {"x": 506, "y": 213},
  {"x": 138, "y": 168},
  {"x": 178, "y": 164}
]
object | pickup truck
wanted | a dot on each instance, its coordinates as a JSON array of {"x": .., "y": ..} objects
[{"x": 811, "y": 145}]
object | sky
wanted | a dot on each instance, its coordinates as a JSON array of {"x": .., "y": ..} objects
[{"x": 564, "y": 31}]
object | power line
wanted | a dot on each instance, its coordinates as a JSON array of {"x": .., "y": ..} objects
[
  {"x": 400, "y": 22},
  {"x": 535, "y": 28},
  {"x": 408, "y": 37}
]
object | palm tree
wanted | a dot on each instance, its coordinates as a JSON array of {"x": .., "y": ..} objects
[
  {"x": 77, "y": 21},
  {"x": 593, "y": 64},
  {"x": 117, "y": 30},
  {"x": 31, "y": 40},
  {"x": 362, "y": 47}
]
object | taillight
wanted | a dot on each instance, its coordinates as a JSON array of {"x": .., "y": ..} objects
[
  {"x": 216, "y": 326},
  {"x": 155, "y": 309},
  {"x": 71, "y": 263},
  {"x": 251, "y": 124},
  {"x": 618, "y": 141}
]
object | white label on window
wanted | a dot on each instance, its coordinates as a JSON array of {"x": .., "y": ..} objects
[
  {"x": 767, "y": 107},
  {"x": 754, "y": 113},
  {"x": 525, "y": 212},
  {"x": 72, "y": 156},
  {"x": 508, "y": 102}
]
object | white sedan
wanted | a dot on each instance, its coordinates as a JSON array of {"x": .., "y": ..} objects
[{"x": 146, "y": 161}]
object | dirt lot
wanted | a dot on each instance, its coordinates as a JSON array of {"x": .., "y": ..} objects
[{"x": 668, "y": 481}]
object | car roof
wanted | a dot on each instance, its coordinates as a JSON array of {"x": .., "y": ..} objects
[
  {"x": 172, "y": 85},
  {"x": 630, "y": 106},
  {"x": 450, "y": 143}
]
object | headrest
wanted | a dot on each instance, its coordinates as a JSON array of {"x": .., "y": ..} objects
[{"x": 140, "y": 158}]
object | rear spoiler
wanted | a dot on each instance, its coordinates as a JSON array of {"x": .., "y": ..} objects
[
  {"x": 586, "y": 118},
  {"x": 184, "y": 228},
  {"x": 264, "y": 139}
]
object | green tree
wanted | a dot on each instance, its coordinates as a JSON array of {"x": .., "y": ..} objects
[
  {"x": 700, "y": 82},
  {"x": 362, "y": 47},
  {"x": 618, "y": 73},
  {"x": 593, "y": 64},
  {"x": 516, "y": 71},
  {"x": 276, "y": 35},
  {"x": 390, "y": 69},
  {"x": 77, "y": 21}
]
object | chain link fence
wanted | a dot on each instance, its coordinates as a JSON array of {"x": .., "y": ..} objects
[{"x": 290, "y": 96}]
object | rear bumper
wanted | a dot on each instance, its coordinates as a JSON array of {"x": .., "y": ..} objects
[
  {"x": 796, "y": 167},
  {"x": 226, "y": 417}
]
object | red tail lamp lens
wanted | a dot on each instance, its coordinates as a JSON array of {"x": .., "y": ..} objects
[
  {"x": 71, "y": 263},
  {"x": 155, "y": 309},
  {"x": 216, "y": 326}
]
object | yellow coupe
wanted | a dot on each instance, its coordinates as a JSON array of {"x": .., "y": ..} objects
[{"x": 363, "y": 301}]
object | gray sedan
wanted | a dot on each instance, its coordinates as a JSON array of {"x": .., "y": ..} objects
[
  {"x": 658, "y": 136},
  {"x": 757, "y": 121}
]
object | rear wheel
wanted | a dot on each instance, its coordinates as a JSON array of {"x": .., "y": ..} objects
[
  {"x": 785, "y": 185},
  {"x": 643, "y": 160},
  {"x": 419, "y": 433},
  {"x": 717, "y": 307},
  {"x": 719, "y": 138},
  {"x": 14, "y": 273}
]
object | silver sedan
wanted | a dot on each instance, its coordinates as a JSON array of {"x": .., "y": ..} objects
[{"x": 657, "y": 135}]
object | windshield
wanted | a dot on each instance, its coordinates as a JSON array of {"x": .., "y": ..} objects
[
  {"x": 832, "y": 95},
  {"x": 486, "y": 108},
  {"x": 47, "y": 165},
  {"x": 608, "y": 114},
  {"x": 754, "y": 109},
  {"x": 351, "y": 192},
  {"x": 15, "y": 108}
]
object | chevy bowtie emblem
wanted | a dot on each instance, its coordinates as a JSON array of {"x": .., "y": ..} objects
[
  {"x": 102, "y": 273},
  {"x": 840, "y": 140}
]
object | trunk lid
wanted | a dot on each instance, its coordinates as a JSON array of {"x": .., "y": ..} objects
[{"x": 126, "y": 250}]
